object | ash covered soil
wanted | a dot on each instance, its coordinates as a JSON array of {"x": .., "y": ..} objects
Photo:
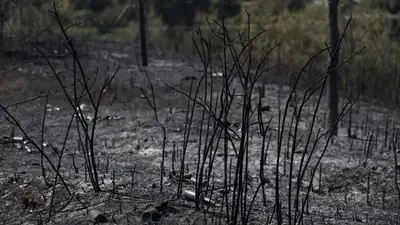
[{"x": 128, "y": 147}]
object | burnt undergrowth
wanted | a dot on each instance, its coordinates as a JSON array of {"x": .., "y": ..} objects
[{"x": 225, "y": 152}]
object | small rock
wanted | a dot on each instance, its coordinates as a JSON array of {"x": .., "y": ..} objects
[
  {"x": 13, "y": 178},
  {"x": 29, "y": 203},
  {"x": 172, "y": 174},
  {"x": 151, "y": 215},
  {"x": 318, "y": 191},
  {"x": 266, "y": 180},
  {"x": 28, "y": 223},
  {"x": 353, "y": 136},
  {"x": 97, "y": 217},
  {"x": 227, "y": 124},
  {"x": 116, "y": 118},
  {"x": 155, "y": 213},
  {"x": 188, "y": 176},
  {"x": 190, "y": 78},
  {"x": 107, "y": 118},
  {"x": 266, "y": 108},
  {"x": 298, "y": 151},
  {"x": 35, "y": 163},
  {"x": 237, "y": 124}
]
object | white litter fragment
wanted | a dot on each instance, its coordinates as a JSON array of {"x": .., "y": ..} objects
[
  {"x": 18, "y": 138},
  {"x": 27, "y": 148},
  {"x": 82, "y": 107},
  {"x": 190, "y": 195},
  {"x": 217, "y": 74}
]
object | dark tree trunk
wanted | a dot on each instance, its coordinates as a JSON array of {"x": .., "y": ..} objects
[
  {"x": 3, "y": 17},
  {"x": 1, "y": 32},
  {"x": 334, "y": 76},
  {"x": 393, "y": 7},
  {"x": 142, "y": 24}
]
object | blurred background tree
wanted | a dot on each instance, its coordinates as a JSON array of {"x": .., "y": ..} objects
[
  {"x": 228, "y": 8},
  {"x": 296, "y": 5},
  {"x": 180, "y": 12},
  {"x": 299, "y": 25},
  {"x": 4, "y": 9},
  {"x": 393, "y": 8}
]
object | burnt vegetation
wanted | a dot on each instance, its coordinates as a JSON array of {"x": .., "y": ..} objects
[{"x": 236, "y": 129}]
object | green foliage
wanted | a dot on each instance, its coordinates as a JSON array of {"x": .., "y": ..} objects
[
  {"x": 301, "y": 33},
  {"x": 392, "y": 7},
  {"x": 28, "y": 21}
]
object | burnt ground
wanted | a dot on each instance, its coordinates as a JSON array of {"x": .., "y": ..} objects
[{"x": 131, "y": 142}]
